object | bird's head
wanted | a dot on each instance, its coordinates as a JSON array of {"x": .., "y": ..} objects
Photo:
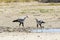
[
  {"x": 36, "y": 19},
  {"x": 27, "y": 16}
]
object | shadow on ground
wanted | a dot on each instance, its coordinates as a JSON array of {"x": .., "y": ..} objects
[{"x": 15, "y": 29}]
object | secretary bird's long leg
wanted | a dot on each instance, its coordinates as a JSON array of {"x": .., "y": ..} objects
[
  {"x": 40, "y": 25},
  {"x": 19, "y": 24},
  {"x": 22, "y": 24},
  {"x": 37, "y": 25}
]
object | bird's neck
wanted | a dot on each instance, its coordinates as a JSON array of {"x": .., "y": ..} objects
[
  {"x": 24, "y": 18},
  {"x": 36, "y": 19}
]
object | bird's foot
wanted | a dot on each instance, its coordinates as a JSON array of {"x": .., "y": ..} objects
[{"x": 42, "y": 27}]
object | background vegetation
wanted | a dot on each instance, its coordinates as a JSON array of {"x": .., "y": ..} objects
[{"x": 16, "y": 0}]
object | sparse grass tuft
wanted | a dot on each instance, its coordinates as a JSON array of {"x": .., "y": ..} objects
[
  {"x": 47, "y": 10},
  {"x": 43, "y": 10},
  {"x": 22, "y": 12}
]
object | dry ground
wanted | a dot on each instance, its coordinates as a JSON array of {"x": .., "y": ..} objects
[
  {"x": 12, "y": 11},
  {"x": 29, "y": 36}
]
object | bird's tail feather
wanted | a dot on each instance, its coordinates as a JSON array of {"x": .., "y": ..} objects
[
  {"x": 43, "y": 22},
  {"x": 15, "y": 20}
]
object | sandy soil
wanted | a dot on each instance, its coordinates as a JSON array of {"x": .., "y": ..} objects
[{"x": 29, "y": 36}]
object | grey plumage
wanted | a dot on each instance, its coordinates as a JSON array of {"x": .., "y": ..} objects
[
  {"x": 39, "y": 22},
  {"x": 21, "y": 21}
]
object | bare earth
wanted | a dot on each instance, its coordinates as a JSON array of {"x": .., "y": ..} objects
[
  {"x": 12, "y": 11},
  {"x": 29, "y": 36}
]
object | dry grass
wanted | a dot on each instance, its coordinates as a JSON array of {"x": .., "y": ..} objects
[{"x": 12, "y": 11}]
